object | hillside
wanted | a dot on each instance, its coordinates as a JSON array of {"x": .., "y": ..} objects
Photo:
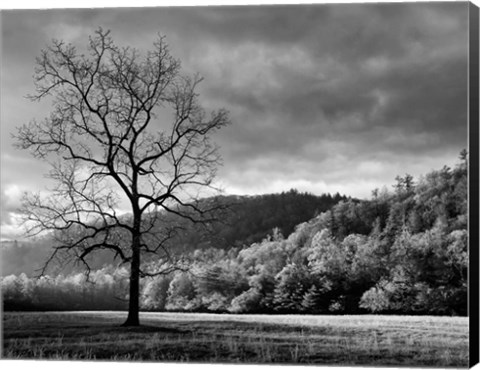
[
  {"x": 402, "y": 252},
  {"x": 244, "y": 220}
]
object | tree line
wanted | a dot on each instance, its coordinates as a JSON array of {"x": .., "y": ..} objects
[{"x": 404, "y": 251}]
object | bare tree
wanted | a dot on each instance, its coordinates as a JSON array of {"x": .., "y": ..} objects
[{"x": 108, "y": 143}]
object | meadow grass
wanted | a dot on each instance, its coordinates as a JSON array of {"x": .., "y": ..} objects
[{"x": 303, "y": 339}]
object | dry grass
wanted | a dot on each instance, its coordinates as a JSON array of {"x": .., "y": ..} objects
[{"x": 343, "y": 340}]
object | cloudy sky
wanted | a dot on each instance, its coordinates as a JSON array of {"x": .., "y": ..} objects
[{"x": 322, "y": 98}]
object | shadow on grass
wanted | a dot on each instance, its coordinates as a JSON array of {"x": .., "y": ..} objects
[{"x": 229, "y": 341}]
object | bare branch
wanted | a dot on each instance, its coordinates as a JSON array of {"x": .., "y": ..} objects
[{"x": 109, "y": 152}]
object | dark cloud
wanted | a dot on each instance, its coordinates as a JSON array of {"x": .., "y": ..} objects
[
  {"x": 322, "y": 97},
  {"x": 389, "y": 73}
]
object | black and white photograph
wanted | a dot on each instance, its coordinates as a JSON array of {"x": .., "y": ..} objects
[{"x": 265, "y": 184}]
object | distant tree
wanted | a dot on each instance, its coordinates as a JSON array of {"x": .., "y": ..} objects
[
  {"x": 293, "y": 282},
  {"x": 248, "y": 301},
  {"x": 181, "y": 293},
  {"x": 327, "y": 257},
  {"x": 13, "y": 289},
  {"x": 316, "y": 299},
  {"x": 155, "y": 293},
  {"x": 369, "y": 262},
  {"x": 375, "y": 300},
  {"x": 107, "y": 143},
  {"x": 226, "y": 278},
  {"x": 311, "y": 299},
  {"x": 408, "y": 183}
]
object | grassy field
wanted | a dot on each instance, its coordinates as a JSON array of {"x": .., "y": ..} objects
[{"x": 342, "y": 340}]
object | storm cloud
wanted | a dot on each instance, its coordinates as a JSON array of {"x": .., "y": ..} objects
[{"x": 323, "y": 98}]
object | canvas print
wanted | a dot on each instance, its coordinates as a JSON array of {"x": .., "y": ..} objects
[{"x": 237, "y": 184}]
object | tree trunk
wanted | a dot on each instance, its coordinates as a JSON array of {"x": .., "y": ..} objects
[{"x": 133, "y": 305}]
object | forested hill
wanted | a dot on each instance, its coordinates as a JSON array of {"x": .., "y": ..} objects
[
  {"x": 404, "y": 251},
  {"x": 247, "y": 219}
]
